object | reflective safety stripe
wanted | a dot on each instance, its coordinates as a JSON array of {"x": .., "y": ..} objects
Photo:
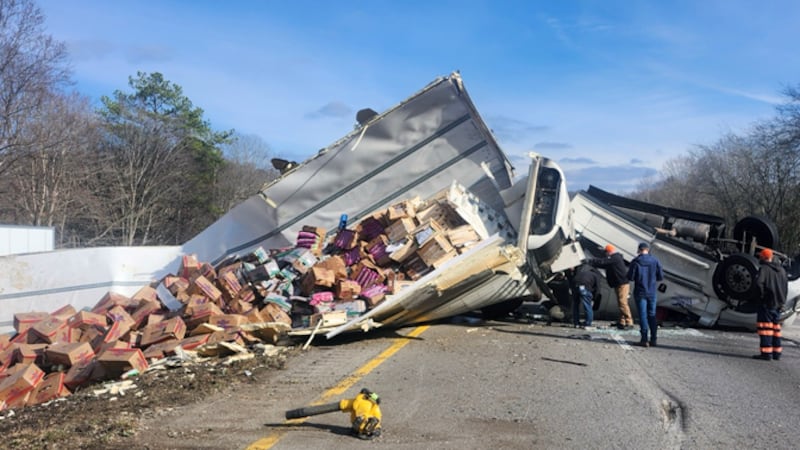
[
  {"x": 765, "y": 333},
  {"x": 777, "y": 349},
  {"x": 766, "y": 325},
  {"x": 766, "y": 349}
]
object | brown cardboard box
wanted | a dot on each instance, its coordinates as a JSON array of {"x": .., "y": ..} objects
[
  {"x": 161, "y": 349},
  {"x": 194, "y": 301},
  {"x": 317, "y": 277},
  {"x": 208, "y": 271},
  {"x": 93, "y": 335},
  {"x": 22, "y": 382},
  {"x": 442, "y": 213},
  {"x": 190, "y": 266},
  {"x": 51, "y": 330},
  {"x": 426, "y": 230},
  {"x": 335, "y": 264},
  {"x": 117, "y": 361},
  {"x": 436, "y": 250},
  {"x": 145, "y": 308},
  {"x": 273, "y": 313},
  {"x": 409, "y": 247},
  {"x": 110, "y": 300},
  {"x": 146, "y": 293},
  {"x": 462, "y": 236},
  {"x": 246, "y": 294},
  {"x": 5, "y": 341},
  {"x": 176, "y": 284},
  {"x": 201, "y": 285},
  {"x": 228, "y": 320},
  {"x": 193, "y": 342},
  {"x": 86, "y": 319},
  {"x": 404, "y": 209},
  {"x": 173, "y": 328},
  {"x": 8, "y": 357},
  {"x": 329, "y": 319},
  {"x": 16, "y": 401},
  {"x": 24, "y": 321},
  {"x": 254, "y": 316},
  {"x": 230, "y": 285},
  {"x": 400, "y": 229},
  {"x": 347, "y": 289},
  {"x": 64, "y": 313},
  {"x": 155, "y": 318},
  {"x": 27, "y": 337},
  {"x": 202, "y": 313},
  {"x": 113, "y": 344},
  {"x": 115, "y": 332},
  {"x": 69, "y": 354},
  {"x": 30, "y": 353},
  {"x": 50, "y": 388},
  {"x": 119, "y": 314},
  {"x": 415, "y": 268},
  {"x": 229, "y": 335}
]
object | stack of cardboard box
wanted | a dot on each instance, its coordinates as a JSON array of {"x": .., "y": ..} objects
[{"x": 324, "y": 280}]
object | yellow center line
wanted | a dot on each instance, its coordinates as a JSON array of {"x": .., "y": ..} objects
[{"x": 346, "y": 383}]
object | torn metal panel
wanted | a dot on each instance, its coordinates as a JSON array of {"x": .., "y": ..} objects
[
  {"x": 418, "y": 147},
  {"x": 455, "y": 288}
]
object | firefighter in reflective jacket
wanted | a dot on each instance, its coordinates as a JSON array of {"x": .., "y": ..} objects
[{"x": 773, "y": 284}]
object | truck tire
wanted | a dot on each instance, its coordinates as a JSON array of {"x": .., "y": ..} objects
[
  {"x": 735, "y": 278},
  {"x": 760, "y": 227}
]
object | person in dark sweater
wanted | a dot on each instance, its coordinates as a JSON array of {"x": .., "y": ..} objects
[
  {"x": 587, "y": 281},
  {"x": 645, "y": 271},
  {"x": 772, "y": 284},
  {"x": 617, "y": 278}
]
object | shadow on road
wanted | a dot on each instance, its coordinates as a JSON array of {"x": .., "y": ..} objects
[
  {"x": 605, "y": 340},
  {"x": 335, "y": 429}
]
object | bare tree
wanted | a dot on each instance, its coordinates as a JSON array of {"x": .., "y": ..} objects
[
  {"x": 32, "y": 64},
  {"x": 247, "y": 168},
  {"x": 757, "y": 173},
  {"x": 43, "y": 187}
]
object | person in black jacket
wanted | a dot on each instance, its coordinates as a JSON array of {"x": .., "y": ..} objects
[
  {"x": 617, "y": 278},
  {"x": 587, "y": 282},
  {"x": 772, "y": 284}
]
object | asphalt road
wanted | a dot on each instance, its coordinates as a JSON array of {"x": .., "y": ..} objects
[{"x": 473, "y": 385}]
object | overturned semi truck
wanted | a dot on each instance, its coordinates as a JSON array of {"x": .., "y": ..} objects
[{"x": 433, "y": 146}]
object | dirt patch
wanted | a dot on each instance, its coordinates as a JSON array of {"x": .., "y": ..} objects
[{"x": 89, "y": 421}]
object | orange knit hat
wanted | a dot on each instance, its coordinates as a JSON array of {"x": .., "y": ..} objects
[
  {"x": 765, "y": 254},
  {"x": 610, "y": 249}
]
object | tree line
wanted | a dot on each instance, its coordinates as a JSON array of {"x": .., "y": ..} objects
[
  {"x": 752, "y": 173},
  {"x": 143, "y": 168}
]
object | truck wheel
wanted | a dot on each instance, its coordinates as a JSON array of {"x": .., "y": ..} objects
[
  {"x": 502, "y": 309},
  {"x": 760, "y": 227},
  {"x": 735, "y": 278}
]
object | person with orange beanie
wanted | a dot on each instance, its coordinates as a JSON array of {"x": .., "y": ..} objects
[
  {"x": 772, "y": 285},
  {"x": 617, "y": 278}
]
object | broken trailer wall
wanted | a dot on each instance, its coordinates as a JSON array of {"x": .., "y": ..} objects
[
  {"x": 418, "y": 147},
  {"x": 78, "y": 277}
]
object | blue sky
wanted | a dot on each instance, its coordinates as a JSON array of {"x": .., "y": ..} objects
[{"x": 610, "y": 89}]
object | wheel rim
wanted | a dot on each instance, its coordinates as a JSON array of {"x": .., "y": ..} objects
[{"x": 738, "y": 279}]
